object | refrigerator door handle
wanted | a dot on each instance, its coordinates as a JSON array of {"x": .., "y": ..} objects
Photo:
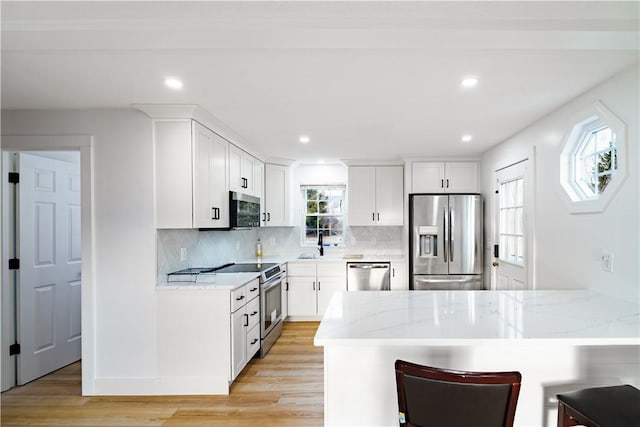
[
  {"x": 446, "y": 234},
  {"x": 442, "y": 280},
  {"x": 451, "y": 234}
]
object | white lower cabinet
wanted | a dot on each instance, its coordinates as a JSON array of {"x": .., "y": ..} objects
[
  {"x": 302, "y": 296},
  {"x": 399, "y": 273},
  {"x": 285, "y": 291},
  {"x": 311, "y": 287},
  {"x": 245, "y": 326},
  {"x": 327, "y": 286}
]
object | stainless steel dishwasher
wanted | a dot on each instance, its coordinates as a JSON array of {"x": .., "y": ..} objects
[{"x": 368, "y": 276}]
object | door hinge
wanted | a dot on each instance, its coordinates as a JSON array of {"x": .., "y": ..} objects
[
  {"x": 14, "y": 177},
  {"x": 14, "y": 349},
  {"x": 14, "y": 264}
]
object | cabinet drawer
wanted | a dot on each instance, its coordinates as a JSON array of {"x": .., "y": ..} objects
[
  {"x": 332, "y": 269},
  {"x": 253, "y": 341},
  {"x": 238, "y": 298},
  {"x": 301, "y": 269},
  {"x": 253, "y": 289},
  {"x": 253, "y": 311}
]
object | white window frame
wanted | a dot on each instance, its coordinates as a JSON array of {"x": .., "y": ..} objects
[
  {"x": 303, "y": 232},
  {"x": 593, "y": 117}
]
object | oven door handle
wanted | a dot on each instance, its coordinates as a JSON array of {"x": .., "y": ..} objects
[{"x": 270, "y": 284}]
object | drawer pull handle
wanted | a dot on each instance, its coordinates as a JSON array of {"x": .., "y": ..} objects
[
  {"x": 241, "y": 297},
  {"x": 254, "y": 313},
  {"x": 253, "y": 289},
  {"x": 255, "y": 340},
  {"x": 246, "y": 320}
]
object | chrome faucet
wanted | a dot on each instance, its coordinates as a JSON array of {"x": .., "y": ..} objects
[{"x": 320, "y": 247}]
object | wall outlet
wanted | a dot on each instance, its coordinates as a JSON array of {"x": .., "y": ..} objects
[
  {"x": 183, "y": 254},
  {"x": 607, "y": 262}
]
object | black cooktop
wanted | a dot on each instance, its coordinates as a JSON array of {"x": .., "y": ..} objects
[{"x": 245, "y": 268}]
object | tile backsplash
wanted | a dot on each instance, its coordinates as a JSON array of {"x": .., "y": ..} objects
[{"x": 213, "y": 248}]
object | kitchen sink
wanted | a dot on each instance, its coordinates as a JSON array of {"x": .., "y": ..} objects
[{"x": 307, "y": 256}]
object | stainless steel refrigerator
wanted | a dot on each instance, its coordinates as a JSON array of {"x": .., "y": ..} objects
[{"x": 446, "y": 241}]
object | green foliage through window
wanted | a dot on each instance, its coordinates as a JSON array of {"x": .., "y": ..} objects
[{"x": 597, "y": 158}]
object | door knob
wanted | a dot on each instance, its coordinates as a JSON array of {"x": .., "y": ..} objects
[{"x": 495, "y": 263}]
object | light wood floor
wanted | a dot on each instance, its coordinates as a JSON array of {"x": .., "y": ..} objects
[{"x": 283, "y": 389}]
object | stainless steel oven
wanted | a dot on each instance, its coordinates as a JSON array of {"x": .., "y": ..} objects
[{"x": 270, "y": 312}]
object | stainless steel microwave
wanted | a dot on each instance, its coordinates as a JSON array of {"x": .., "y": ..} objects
[{"x": 244, "y": 210}]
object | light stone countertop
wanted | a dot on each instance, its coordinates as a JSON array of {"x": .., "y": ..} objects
[
  {"x": 449, "y": 318},
  {"x": 326, "y": 258},
  {"x": 228, "y": 281}
]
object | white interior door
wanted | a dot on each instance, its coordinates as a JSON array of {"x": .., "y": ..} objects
[
  {"x": 511, "y": 227},
  {"x": 49, "y": 241}
]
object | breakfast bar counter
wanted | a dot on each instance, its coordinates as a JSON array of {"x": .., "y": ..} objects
[{"x": 558, "y": 340}]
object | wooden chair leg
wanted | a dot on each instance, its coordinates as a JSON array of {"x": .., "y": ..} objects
[{"x": 564, "y": 420}]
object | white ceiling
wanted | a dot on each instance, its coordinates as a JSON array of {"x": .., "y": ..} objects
[{"x": 365, "y": 80}]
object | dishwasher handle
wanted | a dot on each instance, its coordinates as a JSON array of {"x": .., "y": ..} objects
[{"x": 368, "y": 266}]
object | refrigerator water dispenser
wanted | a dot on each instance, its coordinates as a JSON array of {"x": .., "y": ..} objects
[{"x": 428, "y": 241}]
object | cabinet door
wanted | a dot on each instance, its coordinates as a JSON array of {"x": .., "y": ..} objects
[
  {"x": 173, "y": 174},
  {"x": 253, "y": 312},
  {"x": 389, "y": 195},
  {"x": 302, "y": 296},
  {"x": 258, "y": 180},
  {"x": 219, "y": 180},
  {"x": 362, "y": 194},
  {"x": 236, "y": 183},
  {"x": 253, "y": 342},
  {"x": 462, "y": 177},
  {"x": 399, "y": 281},
  {"x": 204, "y": 213},
  {"x": 428, "y": 177},
  {"x": 246, "y": 173},
  {"x": 276, "y": 196},
  {"x": 238, "y": 342},
  {"x": 285, "y": 295},
  {"x": 327, "y": 287}
]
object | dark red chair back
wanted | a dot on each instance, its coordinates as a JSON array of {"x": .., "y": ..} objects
[{"x": 430, "y": 396}]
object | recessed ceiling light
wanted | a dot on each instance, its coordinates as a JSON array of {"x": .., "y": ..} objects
[
  {"x": 466, "y": 138},
  {"x": 469, "y": 82},
  {"x": 173, "y": 83},
  {"x": 304, "y": 139}
]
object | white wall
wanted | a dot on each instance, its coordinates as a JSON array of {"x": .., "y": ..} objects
[
  {"x": 569, "y": 246},
  {"x": 124, "y": 239}
]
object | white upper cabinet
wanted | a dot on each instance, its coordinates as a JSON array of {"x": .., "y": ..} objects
[
  {"x": 258, "y": 180},
  {"x": 211, "y": 188},
  {"x": 190, "y": 176},
  {"x": 445, "y": 177},
  {"x": 376, "y": 195},
  {"x": 245, "y": 172},
  {"x": 277, "y": 205}
]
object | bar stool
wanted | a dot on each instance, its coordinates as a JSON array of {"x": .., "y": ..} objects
[{"x": 616, "y": 406}]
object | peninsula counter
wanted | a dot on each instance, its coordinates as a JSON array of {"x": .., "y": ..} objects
[{"x": 558, "y": 340}]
